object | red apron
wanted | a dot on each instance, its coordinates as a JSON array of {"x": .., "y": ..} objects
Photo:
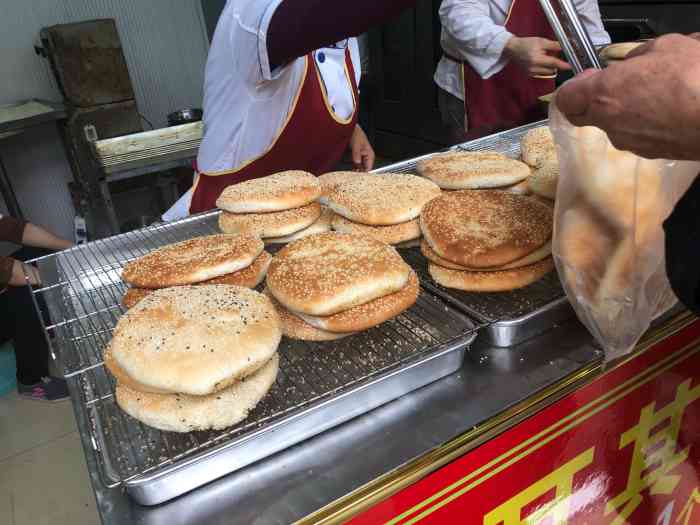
[
  {"x": 313, "y": 139},
  {"x": 510, "y": 97}
]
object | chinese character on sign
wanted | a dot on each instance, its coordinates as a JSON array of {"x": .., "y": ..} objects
[
  {"x": 556, "y": 510},
  {"x": 654, "y": 454}
]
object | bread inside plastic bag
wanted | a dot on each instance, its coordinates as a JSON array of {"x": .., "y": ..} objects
[{"x": 608, "y": 242}]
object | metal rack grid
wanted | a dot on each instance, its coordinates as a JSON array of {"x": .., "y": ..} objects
[
  {"x": 84, "y": 303},
  {"x": 510, "y": 317}
]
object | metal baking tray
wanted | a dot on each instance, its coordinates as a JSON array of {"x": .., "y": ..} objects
[
  {"x": 510, "y": 317},
  {"x": 320, "y": 385}
]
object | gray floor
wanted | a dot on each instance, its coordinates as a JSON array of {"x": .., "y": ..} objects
[{"x": 43, "y": 477}]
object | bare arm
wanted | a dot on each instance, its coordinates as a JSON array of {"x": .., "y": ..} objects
[
  {"x": 301, "y": 26},
  {"x": 38, "y": 237}
]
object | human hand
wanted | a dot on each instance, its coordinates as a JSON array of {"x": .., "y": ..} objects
[
  {"x": 362, "y": 152},
  {"x": 536, "y": 55},
  {"x": 648, "y": 104},
  {"x": 18, "y": 274}
]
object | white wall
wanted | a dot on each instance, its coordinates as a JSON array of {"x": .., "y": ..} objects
[{"x": 165, "y": 45}]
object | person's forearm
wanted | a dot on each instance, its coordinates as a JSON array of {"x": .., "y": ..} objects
[
  {"x": 300, "y": 26},
  {"x": 40, "y": 238}
]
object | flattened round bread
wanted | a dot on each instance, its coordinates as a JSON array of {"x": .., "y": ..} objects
[
  {"x": 193, "y": 261},
  {"x": 370, "y": 314},
  {"x": 536, "y": 256},
  {"x": 383, "y": 200},
  {"x": 499, "y": 281},
  {"x": 545, "y": 178},
  {"x": 584, "y": 243},
  {"x": 331, "y": 272},
  {"x": 134, "y": 295},
  {"x": 619, "y": 51},
  {"x": 537, "y": 145},
  {"x": 330, "y": 181},
  {"x": 196, "y": 339},
  {"x": 185, "y": 413},
  {"x": 394, "y": 234},
  {"x": 521, "y": 188},
  {"x": 295, "y": 328},
  {"x": 274, "y": 224},
  {"x": 322, "y": 224},
  {"x": 625, "y": 189},
  {"x": 469, "y": 170},
  {"x": 247, "y": 278},
  {"x": 278, "y": 192},
  {"x": 484, "y": 229}
]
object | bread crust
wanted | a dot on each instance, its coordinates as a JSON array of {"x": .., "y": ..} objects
[
  {"x": 485, "y": 229},
  {"x": 196, "y": 340},
  {"x": 331, "y": 272},
  {"x": 273, "y": 224},
  {"x": 322, "y": 225},
  {"x": 278, "y": 192},
  {"x": 383, "y": 200},
  {"x": 394, "y": 234},
  {"x": 193, "y": 261},
  {"x": 498, "y": 281},
  {"x": 462, "y": 170}
]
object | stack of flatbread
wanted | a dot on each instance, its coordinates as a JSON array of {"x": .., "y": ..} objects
[
  {"x": 195, "y": 358},
  {"x": 476, "y": 170},
  {"x": 213, "y": 259},
  {"x": 279, "y": 208},
  {"x": 540, "y": 153},
  {"x": 487, "y": 241},
  {"x": 385, "y": 207},
  {"x": 331, "y": 285}
]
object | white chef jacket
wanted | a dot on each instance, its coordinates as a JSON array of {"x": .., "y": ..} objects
[
  {"x": 473, "y": 30},
  {"x": 245, "y": 102}
]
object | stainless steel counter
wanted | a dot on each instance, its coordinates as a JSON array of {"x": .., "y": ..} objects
[{"x": 302, "y": 479}]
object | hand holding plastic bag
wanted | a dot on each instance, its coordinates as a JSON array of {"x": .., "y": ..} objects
[{"x": 608, "y": 242}]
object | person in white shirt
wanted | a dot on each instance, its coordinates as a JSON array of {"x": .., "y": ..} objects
[
  {"x": 281, "y": 92},
  {"x": 503, "y": 55}
]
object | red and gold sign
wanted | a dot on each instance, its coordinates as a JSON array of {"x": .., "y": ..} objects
[{"x": 624, "y": 449}]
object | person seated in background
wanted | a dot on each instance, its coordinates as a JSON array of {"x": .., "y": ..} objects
[
  {"x": 21, "y": 323},
  {"x": 499, "y": 57}
]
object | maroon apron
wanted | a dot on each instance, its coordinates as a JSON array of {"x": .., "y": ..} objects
[
  {"x": 510, "y": 97},
  {"x": 313, "y": 139}
]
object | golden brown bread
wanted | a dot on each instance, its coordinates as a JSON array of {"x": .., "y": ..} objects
[
  {"x": 196, "y": 339},
  {"x": 536, "y": 256},
  {"x": 186, "y": 413},
  {"x": 248, "y": 277},
  {"x": 370, "y": 314},
  {"x": 382, "y": 200},
  {"x": 498, "y": 281},
  {"x": 544, "y": 179},
  {"x": 461, "y": 170},
  {"x": 273, "y": 224},
  {"x": 537, "y": 145},
  {"x": 278, "y": 192},
  {"x": 193, "y": 261},
  {"x": 330, "y": 181},
  {"x": 331, "y": 272},
  {"x": 296, "y": 328},
  {"x": 394, "y": 234},
  {"x": 484, "y": 229},
  {"x": 322, "y": 225}
]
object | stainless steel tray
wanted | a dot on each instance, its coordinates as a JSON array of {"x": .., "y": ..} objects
[
  {"x": 320, "y": 385},
  {"x": 511, "y": 317}
]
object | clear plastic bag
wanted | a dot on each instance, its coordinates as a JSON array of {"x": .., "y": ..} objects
[{"x": 608, "y": 242}]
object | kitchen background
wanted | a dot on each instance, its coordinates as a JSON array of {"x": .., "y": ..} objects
[{"x": 165, "y": 44}]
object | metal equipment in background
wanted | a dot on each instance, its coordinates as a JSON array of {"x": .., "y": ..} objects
[
  {"x": 572, "y": 34},
  {"x": 91, "y": 72}
]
